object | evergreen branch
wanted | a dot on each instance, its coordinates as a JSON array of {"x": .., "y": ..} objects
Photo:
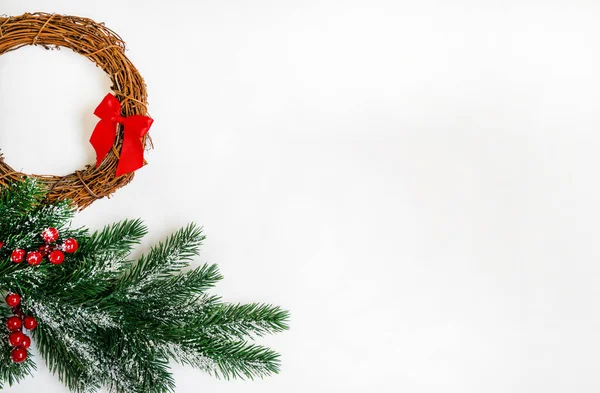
[
  {"x": 54, "y": 313},
  {"x": 186, "y": 354},
  {"x": 240, "y": 321},
  {"x": 168, "y": 257},
  {"x": 65, "y": 348},
  {"x": 87, "y": 356},
  {"x": 159, "y": 315},
  {"x": 115, "y": 242},
  {"x": 16, "y": 277},
  {"x": 106, "y": 321},
  {"x": 100, "y": 263},
  {"x": 18, "y": 199},
  {"x": 139, "y": 365},
  {"x": 225, "y": 358},
  {"x": 24, "y": 232},
  {"x": 72, "y": 369},
  {"x": 90, "y": 281},
  {"x": 22, "y": 211},
  {"x": 178, "y": 287}
]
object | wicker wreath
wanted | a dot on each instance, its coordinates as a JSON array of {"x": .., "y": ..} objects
[{"x": 105, "y": 48}]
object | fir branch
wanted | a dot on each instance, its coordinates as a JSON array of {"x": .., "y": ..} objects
[
  {"x": 58, "y": 350},
  {"x": 177, "y": 287},
  {"x": 161, "y": 314},
  {"x": 115, "y": 242},
  {"x": 99, "y": 263},
  {"x": 133, "y": 364},
  {"x": 240, "y": 321},
  {"x": 22, "y": 213},
  {"x": 18, "y": 199},
  {"x": 87, "y": 356},
  {"x": 106, "y": 321},
  {"x": 225, "y": 358},
  {"x": 168, "y": 257}
]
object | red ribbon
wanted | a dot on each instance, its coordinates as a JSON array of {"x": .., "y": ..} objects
[{"x": 105, "y": 133}]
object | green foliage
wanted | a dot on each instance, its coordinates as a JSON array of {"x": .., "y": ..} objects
[{"x": 108, "y": 321}]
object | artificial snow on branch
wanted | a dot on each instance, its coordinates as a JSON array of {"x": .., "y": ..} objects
[{"x": 102, "y": 320}]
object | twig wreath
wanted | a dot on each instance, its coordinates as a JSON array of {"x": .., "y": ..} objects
[
  {"x": 98, "y": 318},
  {"x": 105, "y": 48}
]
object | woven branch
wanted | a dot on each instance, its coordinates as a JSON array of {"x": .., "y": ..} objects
[{"x": 105, "y": 48}]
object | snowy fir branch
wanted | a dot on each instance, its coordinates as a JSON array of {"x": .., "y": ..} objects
[{"x": 102, "y": 320}]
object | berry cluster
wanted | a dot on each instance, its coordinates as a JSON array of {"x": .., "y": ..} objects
[
  {"x": 54, "y": 252},
  {"x": 15, "y": 324}
]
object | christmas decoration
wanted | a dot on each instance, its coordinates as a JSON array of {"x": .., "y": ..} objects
[
  {"x": 122, "y": 133},
  {"x": 17, "y": 255},
  {"x": 16, "y": 338},
  {"x": 45, "y": 249},
  {"x": 26, "y": 343},
  {"x": 34, "y": 258},
  {"x": 56, "y": 257},
  {"x": 50, "y": 235},
  {"x": 29, "y": 323},
  {"x": 104, "y": 135},
  {"x": 100, "y": 319},
  {"x": 14, "y": 323},
  {"x": 54, "y": 252},
  {"x": 18, "y": 355},
  {"x": 70, "y": 246},
  {"x": 13, "y": 299}
]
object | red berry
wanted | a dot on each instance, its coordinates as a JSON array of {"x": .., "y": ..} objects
[
  {"x": 17, "y": 255},
  {"x": 34, "y": 258},
  {"x": 13, "y": 299},
  {"x": 26, "y": 342},
  {"x": 56, "y": 257},
  {"x": 29, "y": 323},
  {"x": 44, "y": 250},
  {"x": 18, "y": 355},
  {"x": 13, "y": 323},
  {"x": 70, "y": 245},
  {"x": 50, "y": 235},
  {"x": 1, "y": 244},
  {"x": 16, "y": 338}
]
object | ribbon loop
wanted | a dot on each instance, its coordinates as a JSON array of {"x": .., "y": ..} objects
[{"x": 134, "y": 129}]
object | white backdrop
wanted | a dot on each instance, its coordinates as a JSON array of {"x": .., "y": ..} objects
[{"x": 415, "y": 180}]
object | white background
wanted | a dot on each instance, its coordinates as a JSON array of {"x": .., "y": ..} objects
[{"x": 415, "y": 180}]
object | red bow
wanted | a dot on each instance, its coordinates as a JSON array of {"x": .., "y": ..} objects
[{"x": 134, "y": 129}]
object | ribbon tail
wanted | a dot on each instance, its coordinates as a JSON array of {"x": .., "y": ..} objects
[
  {"x": 132, "y": 154},
  {"x": 103, "y": 138}
]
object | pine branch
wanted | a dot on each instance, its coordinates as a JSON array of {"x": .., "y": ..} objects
[
  {"x": 89, "y": 355},
  {"x": 165, "y": 259},
  {"x": 105, "y": 321},
  {"x": 19, "y": 198},
  {"x": 177, "y": 287},
  {"x": 225, "y": 358},
  {"x": 22, "y": 212},
  {"x": 115, "y": 242},
  {"x": 93, "y": 271},
  {"x": 240, "y": 321},
  {"x": 72, "y": 369},
  {"x": 138, "y": 365},
  {"x": 160, "y": 315},
  {"x": 23, "y": 232}
]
